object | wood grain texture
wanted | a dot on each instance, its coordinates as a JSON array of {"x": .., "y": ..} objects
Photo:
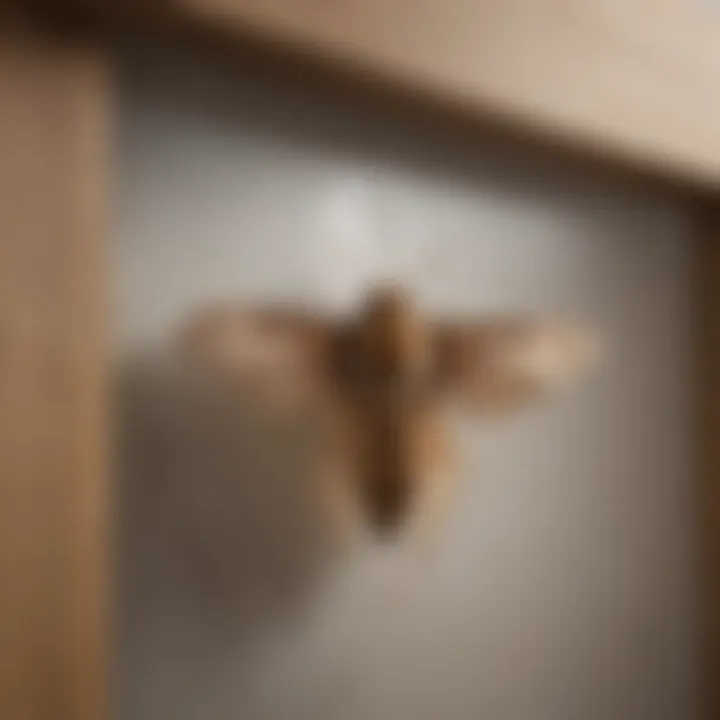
[
  {"x": 53, "y": 494},
  {"x": 707, "y": 383}
]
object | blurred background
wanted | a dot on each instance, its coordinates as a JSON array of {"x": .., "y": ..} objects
[
  {"x": 525, "y": 158},
  {"x": 562, "y": 584}
]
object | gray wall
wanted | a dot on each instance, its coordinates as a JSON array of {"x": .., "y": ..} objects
[{"x": 560, "y": 586}]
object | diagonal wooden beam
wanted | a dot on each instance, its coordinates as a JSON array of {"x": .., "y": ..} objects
[{"x": 627, "y": 81}]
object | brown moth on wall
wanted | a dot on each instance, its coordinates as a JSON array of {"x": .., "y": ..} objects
[{"x": 384, "y": 379}]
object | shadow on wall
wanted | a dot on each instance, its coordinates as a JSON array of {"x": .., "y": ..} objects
[{"x": 220, "y": 539}]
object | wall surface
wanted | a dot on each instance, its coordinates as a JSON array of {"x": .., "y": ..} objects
[{"x": 561, "y": 585}]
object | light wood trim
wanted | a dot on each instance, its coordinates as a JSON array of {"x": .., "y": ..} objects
[
  {"x": 635, "y": 81},
  {"x": 53, "y": 492},
  {"x": 637, "y": 78}
]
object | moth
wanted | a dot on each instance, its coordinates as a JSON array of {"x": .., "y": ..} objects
[{"x": 384, "y": 380}]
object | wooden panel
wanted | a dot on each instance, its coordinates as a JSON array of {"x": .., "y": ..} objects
[
  {"x": 635, "y": 80},
  {"x": 52, "y": 379},
  {"x": 639, "y": 78},
  {"x": 708, "y": 437}
]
